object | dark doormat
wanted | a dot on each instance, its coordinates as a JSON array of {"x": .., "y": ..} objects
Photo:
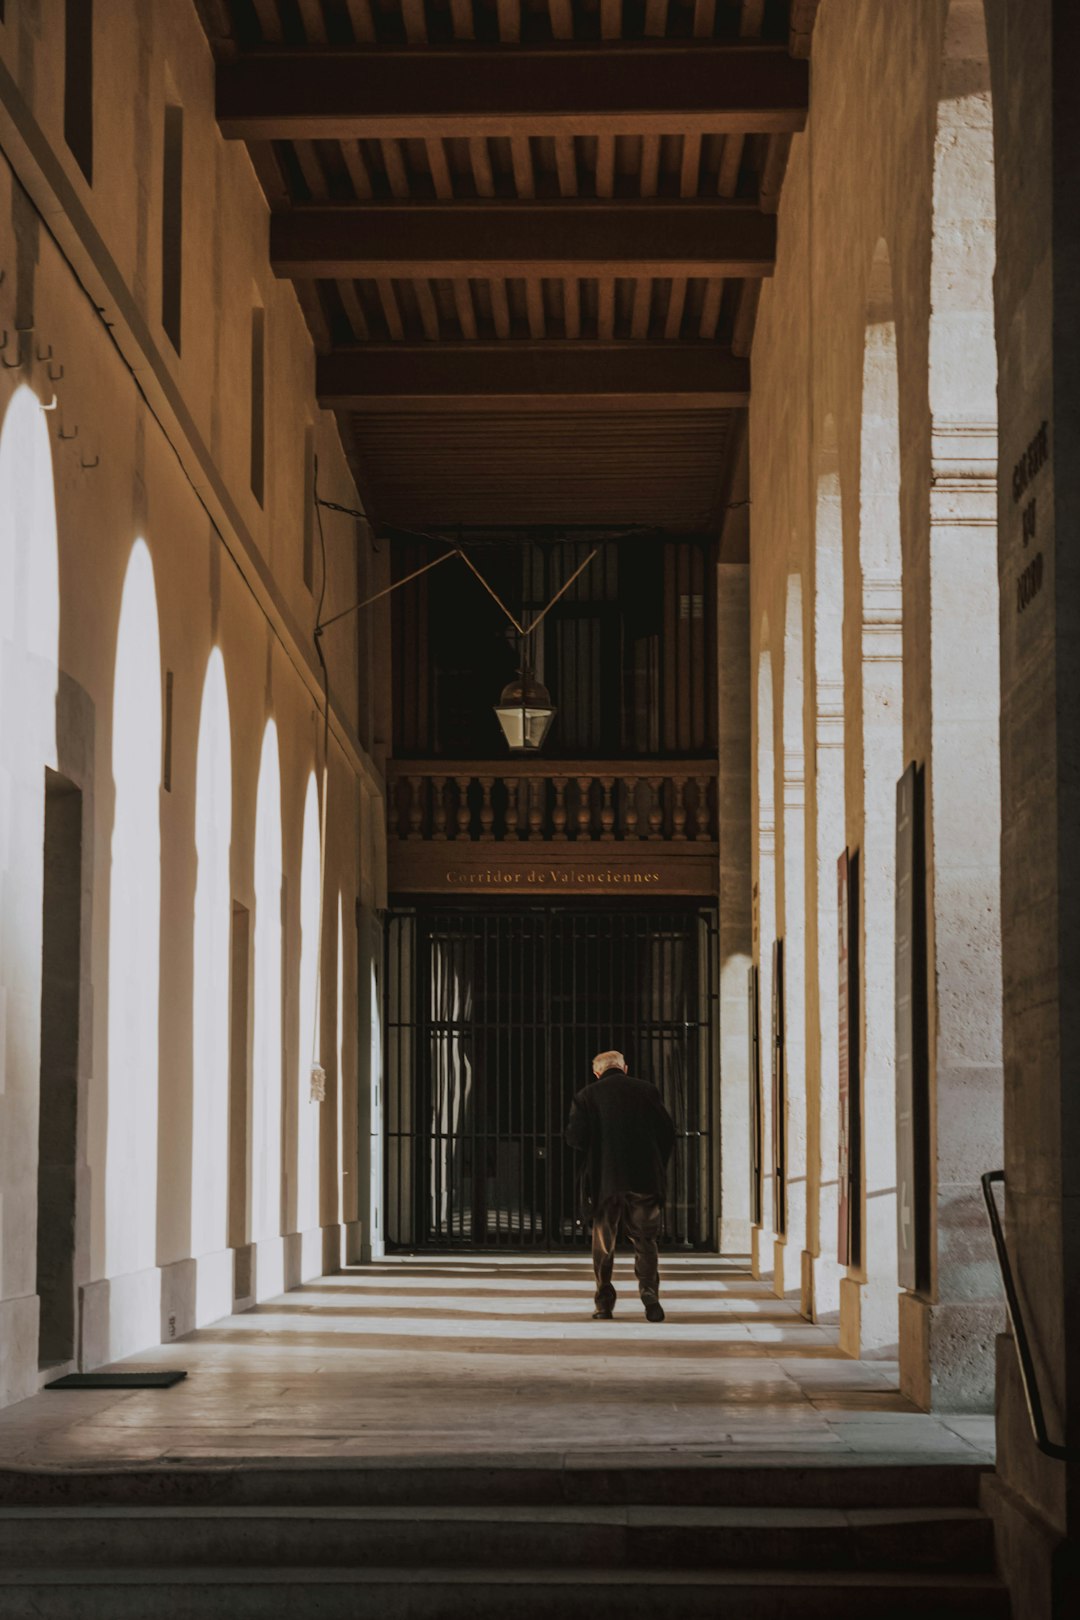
[{"x": 119, "y": 1380}]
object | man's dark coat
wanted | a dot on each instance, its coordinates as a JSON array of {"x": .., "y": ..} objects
[{"x": 627, "y": 1136}]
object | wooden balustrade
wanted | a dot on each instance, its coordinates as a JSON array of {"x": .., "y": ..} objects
[{"x": 512, "y": 801}]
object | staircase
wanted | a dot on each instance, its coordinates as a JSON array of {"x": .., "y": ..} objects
[{"x": 546, "y": 1539}]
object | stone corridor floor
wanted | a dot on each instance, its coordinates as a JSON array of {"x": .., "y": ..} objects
[{"x": 485, "y": 1359}]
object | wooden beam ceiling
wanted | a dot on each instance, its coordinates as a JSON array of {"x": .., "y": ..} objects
[
  {"x": 639, "y": 239},
  {"x": 640, "y": 89},
  {"x": 524, "y": 377}
]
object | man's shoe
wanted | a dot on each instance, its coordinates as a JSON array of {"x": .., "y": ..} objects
[
  {"x": 602, "y": 1315},
  {"x": 654, "y": 1311}
]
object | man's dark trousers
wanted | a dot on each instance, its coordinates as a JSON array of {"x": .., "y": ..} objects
[{"x": 639, "y": 1217}]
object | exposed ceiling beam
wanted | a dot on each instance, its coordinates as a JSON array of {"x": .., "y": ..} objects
[
  {"x": 523, "y": 377},
  {"x": 531, "y": 240},
  {"x": 618, "y": 89}
]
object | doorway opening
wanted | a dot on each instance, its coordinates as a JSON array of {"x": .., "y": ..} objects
[
  {"x": 58, "y": 1118},
  {"x": 493, "y": 1015}
]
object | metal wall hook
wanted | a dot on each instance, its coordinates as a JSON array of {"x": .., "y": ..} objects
[
  {"x": 47, "y": 355},
  {"x": 88, "y": 466},
  {"x": 10, "y": 365},
  {"x": 57, "y": 375},
  {"x": 74, "y": 434},
  {"x": 51, "y": 406}
]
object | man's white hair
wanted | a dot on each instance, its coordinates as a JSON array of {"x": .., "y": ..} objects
[{"x": 603, "y": 1061}]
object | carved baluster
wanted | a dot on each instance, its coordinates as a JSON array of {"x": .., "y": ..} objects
[
  {"x": 536, "y": 809},
  {"x": 704, "y": 831},
  {"x": 656, "y": 807},
  {"x": 607, "y": 811},
  {"x": 678, "y": 815},
  {"x": 416, "y": 807},
  {"x": 438, "y": 808},
  {"x": 511, "y": 785},
  {"x": 487, "y": 814},
  {"x": 393, "y": 811},
  {"x": 464, "y": 814},
  {"x": 584, "y": 809},
  {"x": 630, "y": 824},
  {"x": 558, "y": 815}
]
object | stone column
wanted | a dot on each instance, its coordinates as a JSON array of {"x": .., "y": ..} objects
[{"x": 733, "y": 805}]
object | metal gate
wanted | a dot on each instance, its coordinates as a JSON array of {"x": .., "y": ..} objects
[{"x": 492, "y": 1017}]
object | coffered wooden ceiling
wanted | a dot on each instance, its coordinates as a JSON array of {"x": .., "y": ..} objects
[{"x": 528, "y": 236}]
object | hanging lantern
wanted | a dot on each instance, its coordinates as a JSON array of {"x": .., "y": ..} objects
[{"x": 525, "y": 712}]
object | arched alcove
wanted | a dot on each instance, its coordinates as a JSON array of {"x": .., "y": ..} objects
[
  {"x": 29, "y": 628},
  {"x": 211, "y": 977},
  {"x": 829, "y": 841},
  {"x": 765, "y": 774},
  {"x": 959, "y": 1298},
  {"x": 131, "y": 1160},
  {"x": 883, "y": 762},
  {"x": 307, "y": 1125},
  {"x": 267, "y": 974},
  {"x": 793, "y": 782}
]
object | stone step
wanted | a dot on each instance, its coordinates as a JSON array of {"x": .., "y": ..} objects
[
  {"x": 706, "y": 1481},
  {"x": 470, "y": 1594},
  {"x": 953, "y": 1539}
]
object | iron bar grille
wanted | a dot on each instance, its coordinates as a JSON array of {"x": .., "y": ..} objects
[{"x": 492, "y": 1017}]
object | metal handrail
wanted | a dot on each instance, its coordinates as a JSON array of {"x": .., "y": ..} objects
[{"x": 1048, "y": 1447}]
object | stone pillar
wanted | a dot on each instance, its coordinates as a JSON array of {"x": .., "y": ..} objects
[
  {"x": 788, "y": 1262},
  {"x": 733, "y": 663},
  {"x": 1035, "y": 1498}
]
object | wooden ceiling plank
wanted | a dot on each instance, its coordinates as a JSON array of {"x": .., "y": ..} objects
[
  {"x": 466, "y": 310},
  {"x": 605, "y": 166},
  {"x": 566, "y": 165},
  {"x": 396, "y": 173},
  {"x": 610, "y": 19},
  {"x": 656, "y": 13},
  {"x": 742, "y": 333},
  {"x": 314, "y": 21},
  {"x": 429, "y": 311},
  {"x": 751, "y": 18},
  {"x": 561, "y": 13},
  {"x": 710, "y": 308},
  {"x": 571, "y": 307},
  {"x": 573, "y": 238},
  {"x": 359, "y": 173},
  {"x": 461, "y": 16},
  {"x": 652, "y": 88},
  {"x": 412, "y": 14},
  {"x": 534, "y": 377},
  {"x": 509, "y": 21},
  {"x": 363, "y": 21},
  {"x": 264, "y": 161},
  {"x": 440, "y": 169},
  {"x": 650, "y": 165},
  {"x": 727, "y": 178},
  {"x": 521, "y": 158},
  {"x": 772, "y": 175},
  {"x": 269, "y": 20},
  {"x": 311, "y": 169},
  {"x": 534, "y": 307},
  {"x": 639, "y": 320},
  {"x": 676, "y": 305},
  {"x": 390, "y": 308},
  {"x": 480, "y": 158},
  {"x": 605, "y": 308},
  {"x": 349, "y": 294},
  {"x": 690, "y": 169},
  {"x": 500, "y": 307},
  {"x": 704, "y": 18}
]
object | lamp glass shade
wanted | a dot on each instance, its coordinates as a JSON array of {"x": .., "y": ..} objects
[{"x": 525, "y": 713}]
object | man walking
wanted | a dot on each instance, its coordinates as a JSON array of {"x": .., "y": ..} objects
[{"x": 627, "y": 1137}]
